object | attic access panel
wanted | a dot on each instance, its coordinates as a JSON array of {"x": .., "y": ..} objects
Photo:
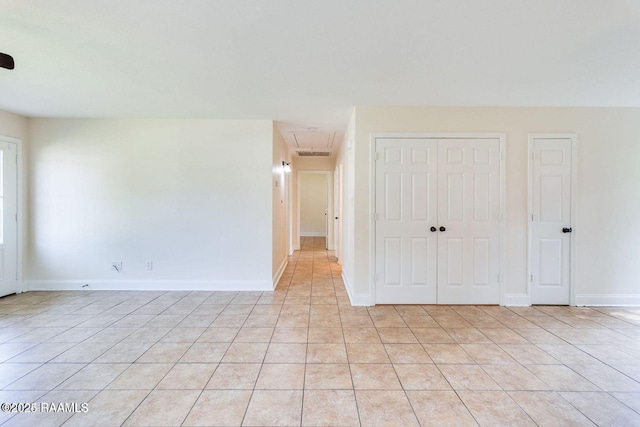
[{"x": 321, "y": 141}]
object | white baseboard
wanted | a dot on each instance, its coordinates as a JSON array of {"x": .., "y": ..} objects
[
  {"x": 515, "y": 300},
  {"x": 362, "y": 300},
  {"x": 150, "y": 285},
  {"x": 312, "y": 234},
  {"x": 278, "y": 275},
  {"x": 608, "y": 300}
]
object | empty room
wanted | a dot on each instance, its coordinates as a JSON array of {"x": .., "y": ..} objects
[{"x": 319, "y": 213}]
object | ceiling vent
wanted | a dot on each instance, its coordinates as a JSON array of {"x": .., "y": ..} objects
[{"x": 313, "y": 153}]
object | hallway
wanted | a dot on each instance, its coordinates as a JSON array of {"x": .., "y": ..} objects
[{"x": 302, "y": 355}]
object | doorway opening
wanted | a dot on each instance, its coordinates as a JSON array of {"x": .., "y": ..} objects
[
  {"x": 314, "y": 205},
  {"x": 9, "y": 230}
]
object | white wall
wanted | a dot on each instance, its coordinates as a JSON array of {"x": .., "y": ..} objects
[
  {"x": 281, "y": 191},
  {"x": 313, "y": 204},
  {"x": 608, "y": 199},
  {"x": 193, "y": 196}
]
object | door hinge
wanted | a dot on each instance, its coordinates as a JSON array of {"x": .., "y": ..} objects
[
  {"x": 531, "y": 217},
  {"x": 499, "y": 278},
  {"x": 531, "y": 278},
  {"x": 376, "y": 216},
  {"x": 375, "y": 278},
  {"x": 501, "y": 156},
  {"x": 377, "y": 156}
]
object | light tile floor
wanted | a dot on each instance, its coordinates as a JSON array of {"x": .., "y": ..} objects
[{"x": 303, "y": 356}]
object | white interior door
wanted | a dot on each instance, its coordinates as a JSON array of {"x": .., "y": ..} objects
[
  {"x": 406, "y": 209},
  {"x": 551, "y": 220},
  {"x": 468, "y": 221},
  {"x": 8, "y": 218}
]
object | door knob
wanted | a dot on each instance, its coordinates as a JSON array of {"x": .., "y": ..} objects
[
  {"x": 443, "y": 229},
  {"x": 567, "y": 230},
  {"x": 433, "y": 229}
]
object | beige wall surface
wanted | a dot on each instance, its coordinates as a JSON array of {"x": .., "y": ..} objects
[
  {"x": 193, "y": 196},
  {"x": 13, "y": 125},
  {"x": 281, "y": 192},
  {"x": 608, "y": 194}
]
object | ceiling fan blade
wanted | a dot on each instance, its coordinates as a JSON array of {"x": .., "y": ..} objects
[{"x": 6, "y": 61}]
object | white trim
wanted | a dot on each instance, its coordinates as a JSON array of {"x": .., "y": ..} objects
[
  {"x": 290, "y": 246},
  {"x": 329, "y": 208},
  {"x": 150, "y": 285},
  {"x": 574, "y": 192},
  {"x": 621, "y": 300},
  {"x": 278, "y": 275},
  {"x": 501, "y": 137},
  {"x": 517, "y": 300},
  {"x": 312, "y": 234},
  {"x": 21, "y": 212},
  {"x": 503, "y": 219},
  {"x": 357, "y": 300}
]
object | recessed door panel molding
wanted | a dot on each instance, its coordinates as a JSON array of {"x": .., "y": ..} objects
[
  {"x": 552, "y": 183},
  {"x": 439, "y": 198},
  {"x": 419, "y": 262},
  {"x": 481, "y": 262},
  {"x": 419, "y": 204},
  {"x": 454, "y": 258},
  {"x": 550, "y": 262},
  {"x": 393, "y": 197},
  {"x": 481, "y": 197},
  {"x": 420, "y": 155},
  {"x": 393, "y": 155},
  {"x": 552, "y": 203},
  {"x": 393, "y": 261}
]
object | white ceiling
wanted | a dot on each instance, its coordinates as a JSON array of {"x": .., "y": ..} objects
[{"x": 306, "y": 63}]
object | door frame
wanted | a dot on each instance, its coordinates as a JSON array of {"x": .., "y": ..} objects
[
  {"x": 574, "y": 186},
  {"x": 289, "y": 195},
  {"x": 329, "y": 204},
  {"x": 501, "y": 137},
  {"x": 20, "y": 206}
]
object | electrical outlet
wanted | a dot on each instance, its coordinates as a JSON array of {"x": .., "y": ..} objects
[
  {"x": 116, "y": 266},
  {"x": 149, "y": 265}
]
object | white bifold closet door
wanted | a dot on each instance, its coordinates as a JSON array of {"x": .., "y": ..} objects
[
  {"x": 406, "y": 209},
  {"x": 437, "y": 221},
  {"x": 469, "y": 221}
]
